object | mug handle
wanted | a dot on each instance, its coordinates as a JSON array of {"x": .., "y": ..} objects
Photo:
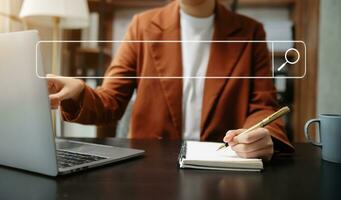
[{"x": 306, "y": 132}]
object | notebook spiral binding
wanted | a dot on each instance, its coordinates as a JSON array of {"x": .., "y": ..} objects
[{"x": 183, "y": 151}]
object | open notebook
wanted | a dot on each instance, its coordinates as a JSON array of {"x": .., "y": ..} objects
[{"x": 204, "y": 155}]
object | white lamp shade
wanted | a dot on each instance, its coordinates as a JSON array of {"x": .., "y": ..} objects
[{"x": 73, "y": 14}]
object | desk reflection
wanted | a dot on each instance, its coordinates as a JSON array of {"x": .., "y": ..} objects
[
  {"x": 231, "y": 185},
  {"x": 330, "y": 180},
  {"x": 15, "y": 184}
]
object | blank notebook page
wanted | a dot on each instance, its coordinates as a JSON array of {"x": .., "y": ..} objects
[{"x": 207, "y": 151}]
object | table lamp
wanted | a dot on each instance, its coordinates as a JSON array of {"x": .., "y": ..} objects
[{"x": 57, "y": 14}]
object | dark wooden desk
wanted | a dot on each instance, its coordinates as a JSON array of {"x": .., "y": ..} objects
[{"x": 156, "y": 176}]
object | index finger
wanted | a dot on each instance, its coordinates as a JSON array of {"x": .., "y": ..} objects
[
  {"x": 231, "y": 134},
  {"x": 252, "y": 136}
]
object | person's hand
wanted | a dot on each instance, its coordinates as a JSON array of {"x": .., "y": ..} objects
[
  {"x": 63, "y": 88},
  {"x": 254, "y": 144}
]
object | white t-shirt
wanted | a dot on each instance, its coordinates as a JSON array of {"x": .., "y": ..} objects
[{"x": 195, "y": 57}]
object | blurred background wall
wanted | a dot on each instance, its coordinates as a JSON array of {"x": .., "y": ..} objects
[{"x": 329, "y": 71}]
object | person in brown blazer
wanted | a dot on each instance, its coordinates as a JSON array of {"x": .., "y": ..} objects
[{"x": 226, "y": 104}]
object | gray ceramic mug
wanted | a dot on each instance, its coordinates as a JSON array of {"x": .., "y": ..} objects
[{"x": 329, "y": 133}]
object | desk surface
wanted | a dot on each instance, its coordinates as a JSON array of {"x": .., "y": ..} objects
[{"x": 156, "y": 176}]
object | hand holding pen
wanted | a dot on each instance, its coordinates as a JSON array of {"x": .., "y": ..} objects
[{"x": 255, "y": 142}]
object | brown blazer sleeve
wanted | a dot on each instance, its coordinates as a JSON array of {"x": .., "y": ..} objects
[
  {"x": 107, "y": 103},
  {"x": 262, "y": 100}
]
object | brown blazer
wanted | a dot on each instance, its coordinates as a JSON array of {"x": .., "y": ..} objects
[{"x": 227, "y": 103}]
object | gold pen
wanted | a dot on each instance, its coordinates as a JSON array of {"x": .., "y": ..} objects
[{"x": 263, "y": 123}]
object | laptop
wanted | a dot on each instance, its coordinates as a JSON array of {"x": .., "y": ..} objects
[{"x": 26, "y": 136}]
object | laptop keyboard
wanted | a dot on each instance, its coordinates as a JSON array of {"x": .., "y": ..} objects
[{"x": 70, "y": 159}]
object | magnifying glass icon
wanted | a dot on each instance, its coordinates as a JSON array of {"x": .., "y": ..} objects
[{"x": 287, "y": 61}]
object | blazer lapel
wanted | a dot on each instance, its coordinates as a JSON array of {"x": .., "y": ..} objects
[
  {"x": 223, "y": 58},
  {"x": 167, "y": 59}
]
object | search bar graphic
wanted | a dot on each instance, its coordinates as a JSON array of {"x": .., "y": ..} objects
[{"x": 224, "y": 48}]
